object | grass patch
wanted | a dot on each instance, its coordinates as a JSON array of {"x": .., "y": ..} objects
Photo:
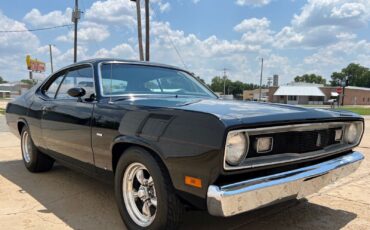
[
  {"x": 2, "y": 111},
  {"x": 358, "y": 110}
]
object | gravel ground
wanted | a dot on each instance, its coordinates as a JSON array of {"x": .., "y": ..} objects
[{"x": 64, "y": 199}]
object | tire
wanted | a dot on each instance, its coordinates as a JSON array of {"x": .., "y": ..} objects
[
  {"x": 34, "y": 160},
  {"x": 162, "y": 204}
]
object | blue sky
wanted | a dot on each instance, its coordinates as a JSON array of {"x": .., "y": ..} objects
[{"x": 293, "y": 36}]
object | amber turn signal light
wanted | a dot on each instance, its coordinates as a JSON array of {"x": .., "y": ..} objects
[{"x": 192, "y": 181}]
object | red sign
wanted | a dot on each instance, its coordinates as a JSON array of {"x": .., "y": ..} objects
[
  {"x": 35, "y": 65},
  {"x": 339, "y": 90}
]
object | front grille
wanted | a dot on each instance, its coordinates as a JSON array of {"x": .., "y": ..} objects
[{"x": 296, "y": 142}]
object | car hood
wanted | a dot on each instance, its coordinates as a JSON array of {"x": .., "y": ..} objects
[{"x": 246, "y": 113}]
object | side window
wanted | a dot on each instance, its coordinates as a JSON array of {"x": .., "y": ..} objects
[
  {"x": 81, "y": 77},
  {"x": 53, "y": 87}
]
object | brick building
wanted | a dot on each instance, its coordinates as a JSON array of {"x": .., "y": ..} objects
[{"x": 352, "y": 95}]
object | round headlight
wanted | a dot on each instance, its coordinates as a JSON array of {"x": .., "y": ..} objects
[
  {"x": 353, "y": 132},
  {"x": 236, "y": 146}
]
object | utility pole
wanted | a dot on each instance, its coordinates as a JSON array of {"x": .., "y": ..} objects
[
  {"x": 76, "y": 15},
  {"x": 225, "y": 77},
  {"x": 51, "y": 58},
  {"x": 139, "y": 30},
  {"x": 260, "y": 96},
  {"x": 147, "y": 31},
  {"x": 344, "y": 84}
]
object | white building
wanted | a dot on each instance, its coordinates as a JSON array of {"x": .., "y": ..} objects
[{"x": 304, "y": 94}]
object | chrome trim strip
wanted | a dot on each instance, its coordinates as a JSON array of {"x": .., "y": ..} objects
[
  {"x": 232, "y": 199},
  {"x": 295, "y": 156},
  {"x": 76, "y": 65}
]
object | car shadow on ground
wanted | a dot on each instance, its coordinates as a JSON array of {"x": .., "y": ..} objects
[{"x": 82, "y": 202}]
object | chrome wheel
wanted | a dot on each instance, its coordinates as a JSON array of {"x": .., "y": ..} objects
[
  {"x": 26, "y": 147},
  {"x": 139, "y": 194}
]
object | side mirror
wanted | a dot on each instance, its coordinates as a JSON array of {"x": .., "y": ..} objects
[{"x": 77, "y": 92}]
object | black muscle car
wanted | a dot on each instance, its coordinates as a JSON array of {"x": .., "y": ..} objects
[{"x": 169, "y": 142}]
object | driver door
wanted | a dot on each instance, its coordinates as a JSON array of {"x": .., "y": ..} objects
[{"x": 66, "y": 120}]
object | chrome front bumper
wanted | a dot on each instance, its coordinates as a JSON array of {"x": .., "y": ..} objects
[{"x": 232, "y": 199}]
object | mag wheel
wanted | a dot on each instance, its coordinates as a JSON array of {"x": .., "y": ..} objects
[
  {"x": 33, "y": 159},
  {"x": 139, "y": 194},
  {"x": 144, "y": 192}
]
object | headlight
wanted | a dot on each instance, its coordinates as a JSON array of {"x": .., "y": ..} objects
[
  {"x": 236, "y": 147},
  {"x": 353, "y": 132}
]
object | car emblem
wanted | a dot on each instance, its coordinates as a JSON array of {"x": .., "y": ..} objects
[{"x": 318, "y": 141}]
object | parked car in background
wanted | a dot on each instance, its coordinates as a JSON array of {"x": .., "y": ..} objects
[{"x": 168, "y": 142}]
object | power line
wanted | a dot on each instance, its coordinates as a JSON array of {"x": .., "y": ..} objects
[{"x": 35, "y": 29}]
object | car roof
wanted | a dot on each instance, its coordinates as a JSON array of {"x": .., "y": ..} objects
[{"x": 144, "y": 63}]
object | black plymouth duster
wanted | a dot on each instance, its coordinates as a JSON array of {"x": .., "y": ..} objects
[{"x": 169, "y": 143}]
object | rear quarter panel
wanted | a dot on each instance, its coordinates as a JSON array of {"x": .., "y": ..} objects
[{"x": 17, "y": 109}]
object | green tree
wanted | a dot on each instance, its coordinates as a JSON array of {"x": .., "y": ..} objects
[
  {"x": 2, "y": 80},
  {"x": 231, "y": 87},
  {"x": 217, "y": 84},
  {"x": 28, "y": 81},
  {"x": 310, "y": 78},
  {"x": 356, "y": 74}
]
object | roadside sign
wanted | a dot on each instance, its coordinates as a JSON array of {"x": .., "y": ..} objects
[
  {"x": 339, "y": 90},
  {"x": 35, "y": 65}
]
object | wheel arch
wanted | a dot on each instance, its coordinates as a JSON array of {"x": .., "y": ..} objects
[
  {"x": 20, "y": 124},
  {"x": 121, "y": 144}
]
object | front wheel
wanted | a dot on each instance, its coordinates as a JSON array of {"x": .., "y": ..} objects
[{"x": 144, "y": 193}]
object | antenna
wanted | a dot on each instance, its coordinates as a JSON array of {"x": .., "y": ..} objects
[{"x": 173, "y": 45}]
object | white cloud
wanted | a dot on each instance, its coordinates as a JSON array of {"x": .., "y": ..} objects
[
  {"x": 252, "y": 2},
  {"x": 88, "y": 31},
  {"x": 195, "y": 1},
  {"x": 322, "y": 22},
  {"x": 252, "y": 24},
  {"x": 112, "y": 11},
  {"x": 14, "y": 47},
  {"x": 348, "y": 10},
  {"x": 67, "y": 57},
  {"x": 124, "y": 51},
  {"x": 339, "y": 53},
  {"x": 164, "y": 7},
  {"x": 54, "y": 18},
  {"x": 334, "y": 12},
  {"x": 255, "y": 31},
  {"x": 120, "y": 11}
]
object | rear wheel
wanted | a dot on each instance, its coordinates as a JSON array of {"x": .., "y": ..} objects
[
  {"x": 33, "y": 159},
  {"x": 144, "y": 192}
]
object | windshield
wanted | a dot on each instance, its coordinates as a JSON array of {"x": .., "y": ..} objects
[{"x": 120, "y": 79}]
